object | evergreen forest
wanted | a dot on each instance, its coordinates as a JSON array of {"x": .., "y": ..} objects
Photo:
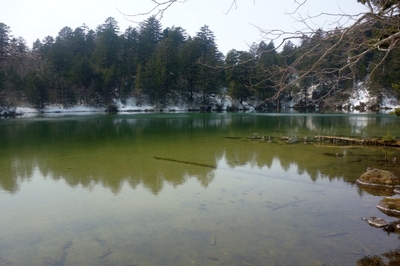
[{"x": 166, "y": 66}]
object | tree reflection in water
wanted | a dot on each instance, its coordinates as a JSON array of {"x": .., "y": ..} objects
[
  {"x": 113, "y": 150},
  {"x": 264, "y": 199}
]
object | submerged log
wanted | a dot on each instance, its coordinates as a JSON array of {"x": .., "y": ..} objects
[
  {"x": 185, "y": 162},
  {"x": 335, "y": 139},
  {"x": 374, "y": 141}
]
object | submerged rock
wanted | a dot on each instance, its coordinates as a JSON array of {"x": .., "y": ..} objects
[
  {"x": 377, "y": 177},
  {"x": 390, "y": 206}
]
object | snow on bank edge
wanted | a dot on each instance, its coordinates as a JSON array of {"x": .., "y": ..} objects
[{"x": 359, "y": 97}]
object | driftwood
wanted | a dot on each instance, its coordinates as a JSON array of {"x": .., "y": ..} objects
[
  {"x": 378, "y": 142},
  {"x": 350, "y": 142}
]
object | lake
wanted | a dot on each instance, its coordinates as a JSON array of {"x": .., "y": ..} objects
[{"x": 190, "y": 189}]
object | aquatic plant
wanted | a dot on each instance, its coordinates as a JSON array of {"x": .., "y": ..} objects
[
  {"x": 388, "y": 138},
  {"x": 373, "y": 260}
]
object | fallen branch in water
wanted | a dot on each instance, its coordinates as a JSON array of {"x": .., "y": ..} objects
[
  {"x": 374, "y": 141},
  {"x": 231, "y": 137},
  {"x": 185, "y": 162},
  {"x": 336, "y": 234},
  {"x": 334, "y": 140}
]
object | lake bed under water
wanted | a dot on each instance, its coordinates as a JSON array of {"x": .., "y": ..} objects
[{"x": 189, "y": 189}]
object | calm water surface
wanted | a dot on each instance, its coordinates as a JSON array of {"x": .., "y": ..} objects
[{"x": 189, "y": 189}]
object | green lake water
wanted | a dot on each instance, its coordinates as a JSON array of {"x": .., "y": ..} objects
[{"x": 190, "y": 189}]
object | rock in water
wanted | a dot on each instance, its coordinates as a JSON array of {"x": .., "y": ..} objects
[
  {"x": 377, "y": 222},
  {"x": 390, "y": 206},
  {"x": 377, "y": 177}
]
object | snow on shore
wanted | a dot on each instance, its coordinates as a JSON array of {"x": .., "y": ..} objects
[
  {"x": 361, "y": 97},
  {"x": 129, "y": 106},
  {"x": 359, "y": 101}
]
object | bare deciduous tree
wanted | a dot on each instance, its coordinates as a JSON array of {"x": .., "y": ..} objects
[
  {"x": 331, "y": 54},
  {"x": 339, "y": 52}
]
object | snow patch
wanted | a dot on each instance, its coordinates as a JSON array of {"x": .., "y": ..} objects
[
  {"x": 130, "y": 105},
  {"x": 360, "y": 96},
  {"x": 360, "y": 100}
]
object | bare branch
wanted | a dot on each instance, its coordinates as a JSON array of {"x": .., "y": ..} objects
[
  {"x": 345, "y": 41},
  {"x": 158, "y": 10},
  {"x": 233, "y": 6}
]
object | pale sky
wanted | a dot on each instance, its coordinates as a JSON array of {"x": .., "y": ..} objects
[{"x": 36, "y": 19}]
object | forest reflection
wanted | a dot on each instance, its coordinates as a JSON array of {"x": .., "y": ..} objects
[{"x": 112, "y": 151}]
